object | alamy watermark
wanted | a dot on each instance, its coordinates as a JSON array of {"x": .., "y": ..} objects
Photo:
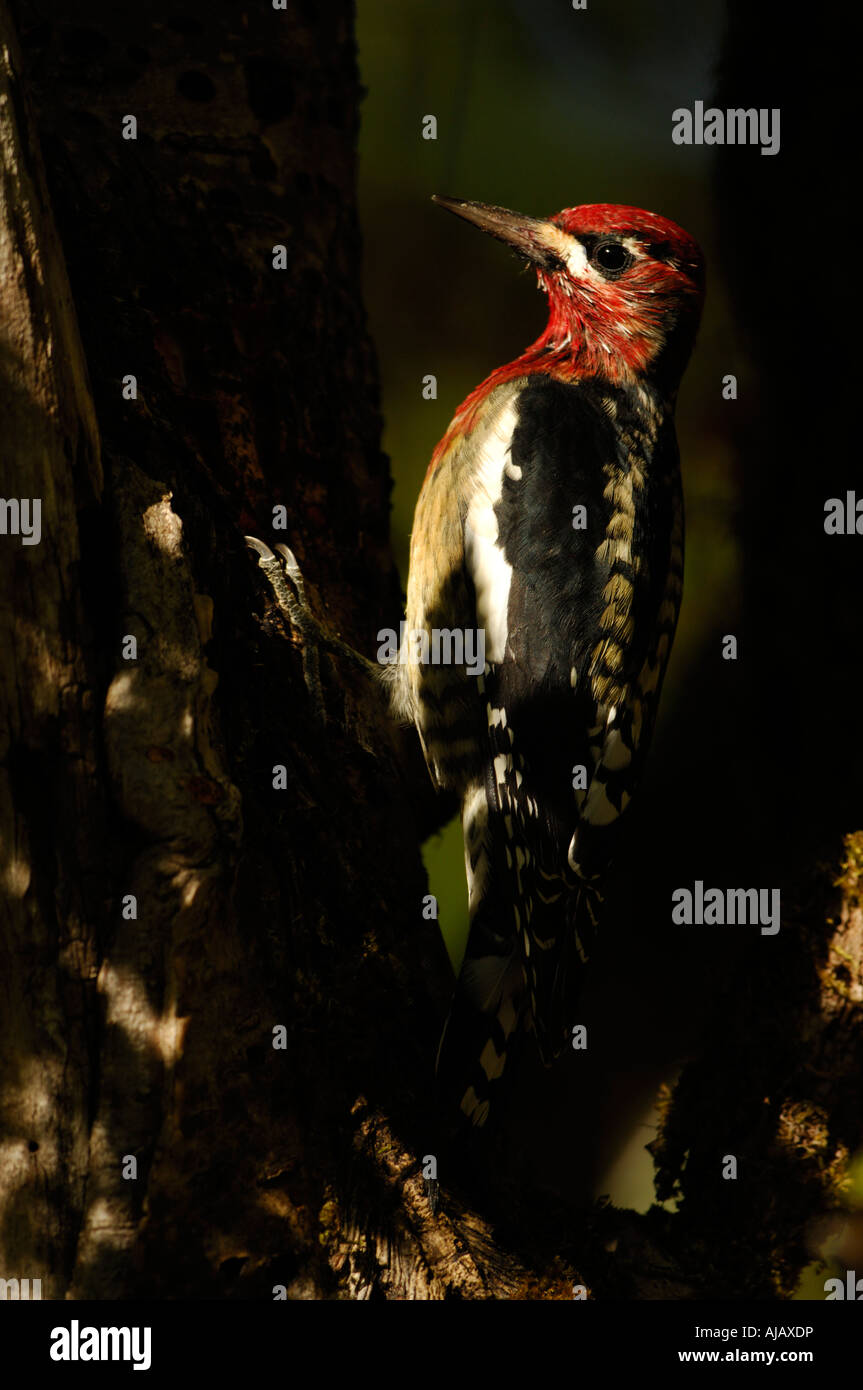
[
  {"x": 720, "y": 907},
  {"x": 851, "y": 1288},
  {"x": 20, "y": 1290},
  {"x": 21, "y": 516},
  {"x": 439, "y": 646},
  {"x": 77, "y": 1343},
  {"x": 844, "y": 515},
  {"x": 735, "y": 126}
]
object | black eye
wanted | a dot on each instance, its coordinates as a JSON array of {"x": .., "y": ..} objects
[{"x": 612, "y": 258}]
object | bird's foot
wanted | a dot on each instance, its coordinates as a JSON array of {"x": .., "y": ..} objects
[
  {"x": 286, "y": 581},
  {"x": 431, "y": 1191}
]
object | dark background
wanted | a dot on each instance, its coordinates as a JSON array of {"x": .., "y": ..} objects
[{"x": 540, "y": 107}]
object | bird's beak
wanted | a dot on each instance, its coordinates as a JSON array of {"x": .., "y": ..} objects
[{"x": 534, "y": 238}]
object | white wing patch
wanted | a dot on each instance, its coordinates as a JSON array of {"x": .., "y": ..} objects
[
  {"x": 474, "y": 819},
  {"x": 486, "y": 563}
]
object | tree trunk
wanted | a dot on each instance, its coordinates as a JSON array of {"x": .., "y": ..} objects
[{"x": 166, "y": 907}]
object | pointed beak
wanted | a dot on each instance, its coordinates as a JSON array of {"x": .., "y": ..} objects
[{"x": 534, "y": 238}]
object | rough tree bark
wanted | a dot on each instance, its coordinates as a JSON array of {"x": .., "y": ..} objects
[{"x": 148, "y": 1032}]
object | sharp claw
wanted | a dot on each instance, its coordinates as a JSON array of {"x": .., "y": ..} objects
[
  {"x": 271, "y": 564},
  {"x": 286, "y": 580},
  {"x": 294, "y": 606},
  {"x": 293, "y": 569},
  {"x": 262, "y": 551}
]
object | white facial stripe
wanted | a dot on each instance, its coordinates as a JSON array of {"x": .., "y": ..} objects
[
  {"x": 579, "y": 266},
  {"x": 560, "y": 242},
  {"x": 576, "y": 260}
]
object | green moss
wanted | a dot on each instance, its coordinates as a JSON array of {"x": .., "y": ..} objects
[
  {"x": 851, "y": 876},
  {"x": 328, "y": 1219}
]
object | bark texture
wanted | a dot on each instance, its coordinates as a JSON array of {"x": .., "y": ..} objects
[
  {"x": 51, "y": 789},
  {"x": 168, "y": 908}
]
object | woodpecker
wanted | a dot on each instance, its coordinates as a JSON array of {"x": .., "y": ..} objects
[{"x": 551, "y": 522}]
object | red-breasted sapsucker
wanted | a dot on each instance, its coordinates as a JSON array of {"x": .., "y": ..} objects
[{"x": 550, "y": 521}]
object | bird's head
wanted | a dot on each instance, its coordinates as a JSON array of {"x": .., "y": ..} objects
[{"x": 625, "y": 287}]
